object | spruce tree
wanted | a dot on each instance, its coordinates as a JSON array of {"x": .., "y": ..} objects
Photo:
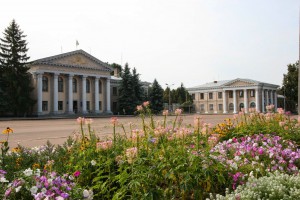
[
  {"x": 156, "y": 97},
  {"x": 139, "y": 96},
  {"x": 15, "y": 79},
  {"x": 126, "y": 92}
]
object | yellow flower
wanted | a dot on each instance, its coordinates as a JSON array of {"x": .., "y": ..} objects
[
  {"x": 16, "y": 149},
  {"x": 7, "y": 131},
  {"x": 36, "y": 166}
]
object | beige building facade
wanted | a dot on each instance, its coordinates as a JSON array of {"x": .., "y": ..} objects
[
  {"x": 231, "y": 96},
  {"x": 73, "y": 82}
]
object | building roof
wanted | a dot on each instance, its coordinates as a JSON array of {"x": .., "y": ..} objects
[
  {"x": 231, "y": 84},
  {"x": 51, "y": 60}
]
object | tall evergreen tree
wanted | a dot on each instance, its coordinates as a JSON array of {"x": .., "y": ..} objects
[
  {"x": 15, "y": 79},
  {"x": 156, "y": 97},
  {"x": 126, "y": 92},
  {"x": 290, "y": 82},
  {"x": 139, "y": 96}
]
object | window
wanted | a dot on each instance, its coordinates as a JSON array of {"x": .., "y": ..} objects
[
  {"x": 220, "y": 95},
  {"x": 252, "y": 105},
  {"x": 230, "y": 106},
  {"x": 100, "y": 105},
  {"x": 100, "y": 86},
  {"x": 193, "y": 96},
  {"x": 202, "y": 107},
  {"x": 220, "y": 106},
  {"x": 88, "y": 106},
  {"x": 115, "y": 91},
  {"x": 241, "y": 93},
  {"x": 201, "y": 95},
  {"x": 230, "y": 94},
  {"x": 74, "y": 85},
  {"x": 45, "y": 84},
  {"x": 211, "y": 107},
  {"x": 210, "y": 95},
  {"x": 115, "y": 106},
  {"x": 60, "y": 84},
  {"x": 88, "y": 86},
  {"x": 252, "y": 93},
  {"x": 45, "y": 106},
  {"x": 60, "y": 105},
  {"x": 241, "y": 106}
]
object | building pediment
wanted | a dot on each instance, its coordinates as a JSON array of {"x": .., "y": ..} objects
[
  {"x": 75, "y": 59},
  {"x": 241, "y": 83}
]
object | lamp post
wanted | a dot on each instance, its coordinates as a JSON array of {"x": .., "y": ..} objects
[{"x": 168, "y": 85}]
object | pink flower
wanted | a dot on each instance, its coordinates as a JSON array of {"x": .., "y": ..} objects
[
  {"x": 165, "y": 112},
  {"x": 88, "y": 121},
  {"x": 80, "y": 120},
  {"x": 104, "y": 145},
  {"x": 77, "y": 173},
  {"x": 280, "y": 111},
  {"x": 131, "y": 153},
  {"x": 178, "y": 111},
  {"x": 139, "y": 108},
  {"x": 114, "y": 120},
  {"x": 146, "y": 104},
  {"x": 281, "y": 123}
]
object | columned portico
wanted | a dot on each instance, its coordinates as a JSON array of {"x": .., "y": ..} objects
[
  {"x": 108, "y": 110},
  {"x": 39, "y": 93},
  {"x": 83, "y": 93},
  {"x": 97, "y": 95},
  {"x": 267, "y": 98},
  {"x": 275, "y": 102},
  {"x": 55, "y": 93},
  {"x": 225, "y": 102},
  {"x": 245, "y": 101},
  {"x": 234, "y": 102},
  {"x": 70, "y": 94},
  {"x": 272, "y": 96}
]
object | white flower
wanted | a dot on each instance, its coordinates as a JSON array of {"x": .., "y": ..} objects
[
  {"x": 37, "y": 172},
  {"x": 33, "y": 190},
  {"x": 71, "y": 177},
  {"x": 44, "y": 190},
  {"x": 3, "y": 180},
  {"x": 256, "y": 158},
  {"x": 59, "y": 198},
  {"x": 50, "y": 180},
  {"x": 18, "y": 188},
  {"x": 86, "y": 193},
  {"x": 234, "y": 166},
  {"x": 237, "y": 158},
  {"x": 93, "y": 162},
  {"x": 28, "y": 172}
]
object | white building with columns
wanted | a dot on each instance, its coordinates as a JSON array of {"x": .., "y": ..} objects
[
  {"x": 73, "y": 82},
  {"x": 231, "y": 96}
]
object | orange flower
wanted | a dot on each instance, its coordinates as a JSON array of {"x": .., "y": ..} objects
[{"x": 7, "y": 131}]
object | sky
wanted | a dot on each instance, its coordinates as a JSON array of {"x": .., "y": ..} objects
[{"x": 175, "y": 41}]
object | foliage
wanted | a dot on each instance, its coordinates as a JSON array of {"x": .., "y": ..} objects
[
  {"x": 118, "y": 69},
  {"x": 180, "y": 95},
  {"x": 156, "y": 97},
  {"x": 137, "y": 87},
  {"x": 272, "y": 186},
  {"x": 290, "y": 82},
  {"x": 15, "y": 79}
]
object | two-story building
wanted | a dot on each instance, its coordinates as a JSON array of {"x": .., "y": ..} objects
[
  {"x": 231, "y": 96},
  {"x": 73, "y": 82}
]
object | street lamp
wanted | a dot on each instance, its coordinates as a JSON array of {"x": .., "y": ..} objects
[{"x": 168, "y": 85}]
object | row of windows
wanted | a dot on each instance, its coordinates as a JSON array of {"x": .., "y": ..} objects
[
  {"x": 61, "y": 107},
  {"x": 230, "y": 106},
  {"x": 220, "y": 94},
  {"x": 61, "y": 85}
]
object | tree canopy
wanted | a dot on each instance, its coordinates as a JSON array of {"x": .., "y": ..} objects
[
  {"x": 15, "y": 79},
  {"x": 290, "y": 82},
  {"x": 156, "y": 97}
]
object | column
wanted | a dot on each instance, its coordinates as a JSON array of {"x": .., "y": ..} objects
[
  {"x": 55, "y": 93},
  {"x": 257, "y": 100},
  {"x": 39, "y": 93},
  {"x": 234, "y": 102},
  {"x": 246, "y": 101},
  {"x": 70, "y": 96},
  {"x": 224, "y": 103},
  {"x": 263, "y": 100},
  {"x": 275, "y": 100},
  {"x": 97, "y": 95},
  {"x": 83, "y": 97},
  {"x": 267, "y": 101},
  {"x": 272, "y": 96},
  {"x": 108, "y": 95}
]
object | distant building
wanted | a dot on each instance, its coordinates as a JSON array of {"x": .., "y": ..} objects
[
  {"x": 74, "y": 82},
  {"x": 232, "y": 95}
]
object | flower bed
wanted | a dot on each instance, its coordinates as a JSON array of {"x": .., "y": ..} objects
[{"x": 162, "y": 160}]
